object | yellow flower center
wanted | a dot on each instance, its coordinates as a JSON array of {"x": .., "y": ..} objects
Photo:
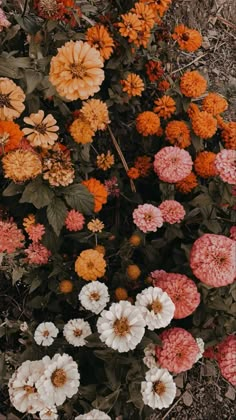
[
  {"x": 94, "y": 296},
  {"x": 77, "y": 332},
  {"x": 159, "y": 388},
  {"x": 121, "y": 327},
  {"x": 58, "y": 378},
  {"x": 78, "y": 70},
  {"x": 155, "y": 306},
  {"x": 29, "y": 389}
]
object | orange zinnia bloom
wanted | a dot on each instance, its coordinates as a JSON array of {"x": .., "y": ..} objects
[
  {"x": 165, "y": 106},
  {"x": 178, "y": 134},
  {"x": 21, "y": 165},
  {"x": 214, "y": 104},
  {"x": 159, "y": 7},
  {"x": 147, "y": 123},
  {"x": 105, "y": 161},
  {"x": 204, "y": 164},
  {"x": 144, "y": 165},
  {"x": 187, "y": 184},
  {"x": 10, "y": 136},
  {"x": 163, "y": 85},
  {"x": 143, "y": 38},
  {"x": 188, "y": 39},
  {"x": 133, "y": 173},
  {"x": 90, "y": 265},
  {"x": 204, "y": 125},
  {"x": 81, "y": 131},
  {"x": 192, "y": 84},
  {"x": 133, "y": 85},
  {"x": 12, "y": 98},
  {"x": 229, "y": 135},
  {"x": 144, "y": 13},
  {"x": 154, "y": 70},
  {"x": 99, "y": 192},
  {"x": 99, "y": 38},
  {"x": 96, "y": 114},
  {"x": 57, "y": 10},
  {"x": 130, "y": 26}
]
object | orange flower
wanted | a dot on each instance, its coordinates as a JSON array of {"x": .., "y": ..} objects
[
  {"x": 133, "y": 85},
  {"x": 163, "y": 85},
  {"x": 133, "y": 173},
  {"x": 121, "y": 294},
  {"x": 187, "y": 184},
  {"x": 81, "y": 131},
  {"x": 165, "y": 107},
  {"x": 144, "y": 165},
  {"x": 57, "y": 10},
  {"x": 178, "y": 134},
  {"x": 96, "y": 114},
  {"x": 204, "y": 164},
  {"x": 204, "y": 125},
  {"x": 229, "y": 135},
  {"x": 90, "y": 265},
  {"x": 105, "y": 161},
  {"x": 214, "y": 104},
  {"x": 192, "y": 84},
  {"x": 130, "y": 27},
  {"x": 135, "y": 239},
  {"x": 159, "y": 7},
  {"x": 42, "y": 131},
  {"x": 29, "y": 221},
  {"x": 143, "y": 37},
  {"x": 12, "y": 98},
  {"x": 97, "y": 189},
  {"x": 10, "y": 135},
  {"x": 133, "y": 272},
  {"x": 145, "y": 14},
  {"x": 99, "y": 38},
  {"x": 147, "y": 123},
  {"x": 188, "y": 39},
  {"x": 66, "y": 286},
  {"x": 154, "y": 70},
  {"x": 21, "y": 165}
]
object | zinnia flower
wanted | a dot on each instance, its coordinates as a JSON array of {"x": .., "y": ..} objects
[
  {"x": 105, "y": 161},
  {"x": 43, "y": 131},
  {"x": 188, "y": 39},
  {"x": 133, "y": 85},
  {"x": 204, "y": 125},
  {"x": 165, "y": 107},
  {"x": 204, "y": 164},
  {"x": 90, "y": 265},
  {"x": 49, "y": 413},
  {"x": 81, "y": 131},
  {"x": 159, "y": 389},
  {"x": 65, "y": 286},
  {"x": 11, "y": 100},
  {"x": 76, "y": 70},
  {"x": 112, "y": 187},
  {"x": 45, "y": 333},
  {"x": 187, "y": 184},
  {"x": 37, "y": 254},
  {"x": 192, "y": 84},
  {"x": 58, "y": 169},
  {"x": 11, "y": 238},
  {"x": 29, "y": 221},
  {"x": 99, "y": 38},
  {"x": 36, "y": 232},
  {"x": 10, "y": 136},
  {"x": 163, "y": 85},
  {"x": 74, "y": 221},
  {"x": 154, "y": 70},
  {"x": 150, "y": 356},
  {"x": 145, "y": 13},
  {"x": 147, "y": 218},
  {"x": 93, "y": 415},
  {"x": 75, "y": 331},
  {"x": 159, "y": 7},
  {"x": 178, "y": 134},
  {"x": 96, "y": 114},
  {"x": 172, "y": 211},
  {"x": 228, "y": 135},
  {"x": 172, "y": 164},
  {"x": 144, "y": 165},
  {"x": 21, "y": 165},
  {"x": 130, "y": 26},
  {"x": 95, "y": 225},
  {"x": 133, "y": 173},
  {"x": 133, "y": 272},
  {"x": 94, "y": 296},
  {"x": 98, "y": 190},
  {"x": 60, "y": 10},
  {"x": 225, "y": 163},
  {"x": 4, "y": 22},
  {"x": 212, "y": 260},
  {"x": 227, "y": 358},
  {"x": 214, "y": 104},
  {"x": 147, "y": 123}
]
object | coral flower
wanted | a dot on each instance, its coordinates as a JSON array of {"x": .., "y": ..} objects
[
  {"x": 172, "y": 164},
  {"x": 147, "y": 218},
  {"x": 225, "y": 163},
  {"x": 11, "y": 100},
  {"x": 105, "y": 161},
  {"x": 98, "y": 190},
  {"x": 95, "y": 226},
  {"x": 187, "y": 184},
  {"x": 204, "y": 125},
  {"x": 214, "y": 104},
  {"x": 29, "y": 221},
  {"x": 130, "y": 26},
  {"x": 233, "y": 233},
  {"x": 76, "y": 71},
  {"x": 37, "y": 254},
  {"x": 4, "y": 22},
  {"x": 36, "y": 232},
  {"x": 204, "y": 164},
  {"x": 10, "y": 136},
  {"x": 145, "y": 13},
  {"x": 11, "y": 238},
  {"x": 43, "y": 131},
  {"x": 154, "y": 70},
  {"x": 188, "y": 39},
  {"x": 147, "y": 123},
  {"x": 163, "y": 85},
  {"x": 172, "y": 211},
  {"x": 96, "y": 114},
  {"x": 99, "y": 38},
  {"x": 74, "y": 220},
  {"x": 81, "y": 131},
  {"x": 212, "y": 260},
  {"x": 227, "y": 358},
  {"x": 21, "y": 165},
  {"x": 229, "y": 135},
  {"x": 165, "y": 107},
  {"x": 178, "y": 134},
  {"x": 133, "y": 173},
  {"x": 192, "y": 84},
  {"x": 57, "y": 10},
  {"x": 90, "y": 265},
  {"x": 179, "y": 350},
  {"x": 133, "y": 85},
  {"x": 144, "y": 165}
]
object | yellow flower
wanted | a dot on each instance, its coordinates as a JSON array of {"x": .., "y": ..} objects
[
  {"x": 90, "y": 265},
  {"x": 105, "y": 162},
  {"x": 95, "y": 225},
  {"x": 81, "y": 131},
  {"x": 29, "y": 221},
  {"x": 21, "y": 165},
  {"x": 11, "y": 100},
  {"x": 43, "y": 131},
  {"x": 99, "y": 38},
  {"x": 66, "y": 286},
  {"x": 133, "y": 272},
  {"x": 96, "y": 114},
  {"x": 133, "y": 85}
]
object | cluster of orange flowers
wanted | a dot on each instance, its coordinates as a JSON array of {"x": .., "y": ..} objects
[
  {"x": 61, "y": 10},
  {"x": 142, "y": 167}
]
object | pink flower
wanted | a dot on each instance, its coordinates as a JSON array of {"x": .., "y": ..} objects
[
  {"x": 37, "y": 254},
  {"x": 159, "y": 275},
  {"x": 172, "y": 211},
  {"x": 179, "y": 350},
  {"x": 11, "y": 237},
  {"x": 213, "y": 261},
  {"x": 36, "y": 232},
  {"x": 227, "y": 358},
  {"x": 147, "y": 217},
  {"x": 112, "y": 187},
  {"x": 225, "y": 163},
  {"x": 74, "y": 220},
  {"x": 233, "y": 233},
  {"x": 172, "y": 164},
  {"x": 4, "y": 23}
]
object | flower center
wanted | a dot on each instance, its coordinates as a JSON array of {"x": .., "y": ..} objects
[
  {"x": 147, "y": 217},
  {"x": 155, "y": 306},
  {"x": 29, "y": 389},
  {"x": 46, "y": 333},
  {"x": 4, "y": 101},
  {"x": 78, "y": 70},
  {"x": 159, "y": 388},
  {"x": 58, "y": 378},
  {"x": 77, "y": 332},
  {"x": 41, "y": 128},
  {"x": 185, "y": 36},
  {"x": 121, "y": 327},
  {"x": 4, "y": 137},
  {"x": 94, "y": 296},
  {"x": 90, "y": 265}
]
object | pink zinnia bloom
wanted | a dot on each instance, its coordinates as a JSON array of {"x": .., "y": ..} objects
[
  {"x": 4, "y": 22},
  {"x": 112, "y": 187},
  {"x": 147, "y": 217},
  {"x": 11, "y": 238},
  {"x": 172, "y": 164},
  {"x": 213, "y": 261},
  {"x": 179, "y": 350},
  {"x": 225, "y": 163},
  {"x": 74, "y": 220},
  {"x": 227, "y": 358},
  {"x": 36, "y": 232},
  {"x": 37, "y": 254},
  {"x": 159, "y": 275},
  {"x": 172, "y": 211},
  {"x": 182, "y": 291},
  {"x": 233, "y": 233}
]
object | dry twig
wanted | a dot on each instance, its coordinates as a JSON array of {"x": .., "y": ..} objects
[{"x": 189, "y": 64}]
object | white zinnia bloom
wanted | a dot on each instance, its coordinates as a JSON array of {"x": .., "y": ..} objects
[
  {"x": 156, "y": 307},
  {"x": 122, "y": 327},
  {"x": 59, "y": 380},
  {"x": 150, "y": 356},
  {"x": 94, "y": 415},
  {"x": 75, "y": 332},
  {"x": 45, "y": 333},
  {"x": 94, "y": 296},
  {"x": 48, "y": 413},
  {"x": 22, "y": 387},
  {"x": 24, "y": 326},
  {"x": 201, "y": 346},
  {"x": 159, "y": 389}
]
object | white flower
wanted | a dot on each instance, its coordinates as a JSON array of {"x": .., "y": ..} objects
[
  {"x": 75, "y": 332},
  {"x": 150, "y": 356},
  {"x": 159, "y": 389},
  {"x": 93, "y": 415},
  {"x": 22, "y": 387},
  {"x": 24, "y": 327},
  {"x": 48, "y": 413},
  {"x": 45, "y": 333},
  {"x": 156, "y": 307},
  {"x": 59, "y": 380},
  {"x": 201, "y": 346},
  {"x": 122, "y": 327},
  {"x": 94, "y": 296}
]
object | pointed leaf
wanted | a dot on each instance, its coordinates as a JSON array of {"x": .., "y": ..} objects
[
  {"x": 56, "y": 214},
  {"x": 79, "y": 198},
  {"x": 37, "y": 193},
  {"x": 13, "y": 189}
]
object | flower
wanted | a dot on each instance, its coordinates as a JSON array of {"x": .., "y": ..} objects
[
  {"x": 101, "y": 249},
  {"x": 229, "y": 135},
  {"x": 122, "y": 327},
  {"x": 172, "y": 164},
  {"x": 96, "y": 114},
  {"x": 172, "y": 211},
  {"x": 165, "y": 107},
  {"x": 99, "y": 192},
  {"x": 45, "y": 333},
  {"x": 204, "y": 124},
  {"x": 133, "y": 271},
  {"x": 135, "y": 240},
  {"x": 21, "y": 165},
  {"x": 133, "y": 173},
  {"x": 192, "y": 84},
  {"x": 99, "y": 38},
  {"x": 147, "y": 218},
  {"x": 60, "y": 10},
  {"x": 187, "y": 184},
  {"x": 154, "y": 70},
  {"x": 159, "y": 389},
  {"x": 11, "y": 100},
  {"x": 93, "y": 415},
  {"x": 58, "y": 169},
  {"x": 150, "y": 356},
  {"x": 66, "y": 286},
  {"x": 145, "y": 13},
  {"x": 188, "y": 39},
  {"x": 49, "y": 413},
  {"x": 144, "y": 165},
  {"x": 227, "y": 358},
  {"x": 130, "y": 26},
  {"x": 133, "y": 85},
  {"x": 94, "y": 296},
  {"x": 10, "y": 136},
  {"x": 4, "y": 22},
  {"x": 29, "y": 221},
  {"x": 81, "y": 131},
  {"x": 36, "y": 232},
  {"x": 201, "y": 346},
  {"x": 75, "y": 331},
  {"x": 159, "y": 7},
  {"x": 37, "y": 254},
  {"x": 212, "y": 260},
  {"x": 74, "y": 221},
  {"x": 182, "y": 291},
  {"x": 204, "y": 164},
  {"x": 24, "y": 326},
  {"x": 163, "y": 85},
  {"x": 95, "y": 225},
  {"x": 112, "y": 187},
  {"x": 233, "y": 233},
  {"x": 179, "y": 350},
  {"x": 76, "y": 70},
  {"x": 121, "y": 294},
  {"x": 60, "y": 379},
  {"x": 156, "y": 307},
  {"x": 143, "y": 37},
  {"x": 225, "y": 165},
  {"x": 214, "y": 104},
  {"x": 147, "y": 123},
  {"x": 105, "y": 161},
  {"x": 90, "y": 265},
  {"x": 178, "y": 134},
  {"x": 43, "y": 131},
  {"x": 11, "y": 238}
]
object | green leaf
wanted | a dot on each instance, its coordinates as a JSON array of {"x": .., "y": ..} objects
[
  {"x": 201, "y": 200},
  {"x": 33, "y": 78},
  {"x": 56, "y": 214},
  {"x": 154, "y": 337},
  {"x": 13, "y": 189},
  {"x": 17, "y": 274},
  {"x": 37, "y": 193},
  {"x": 106, "y": 403},
  {"x": 79, "y": 198},
  {"x": 36, "y": 282}
]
